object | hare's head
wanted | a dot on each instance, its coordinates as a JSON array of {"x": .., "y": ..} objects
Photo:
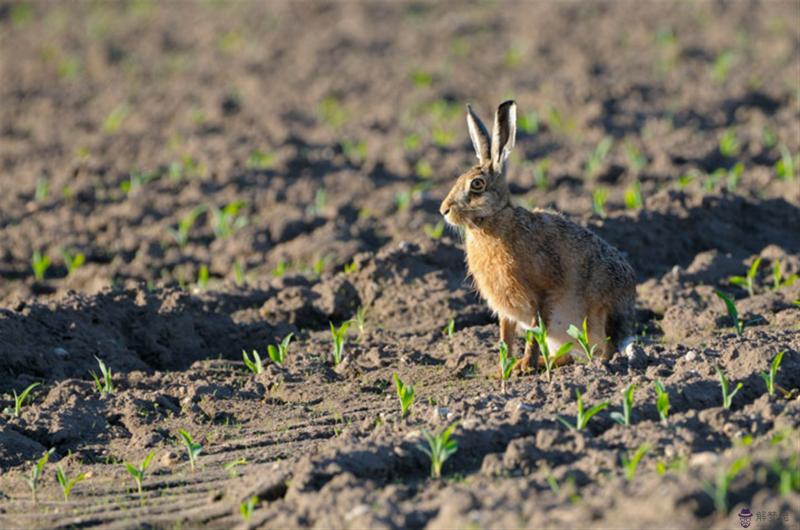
[{"x": 482, "y": 191}]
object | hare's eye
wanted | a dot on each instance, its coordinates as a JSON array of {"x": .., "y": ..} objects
[{"x": 477, "y": 185}]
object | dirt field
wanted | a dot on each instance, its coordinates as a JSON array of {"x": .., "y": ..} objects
[{"x": 233, "y": 172}]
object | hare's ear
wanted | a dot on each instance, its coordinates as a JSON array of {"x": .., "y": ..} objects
[
  {"x": 504, "y": 134},
  {"x": 479, "y": 136}
]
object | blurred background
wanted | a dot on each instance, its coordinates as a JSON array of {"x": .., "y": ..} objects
[{"x": 201, "y": 142}]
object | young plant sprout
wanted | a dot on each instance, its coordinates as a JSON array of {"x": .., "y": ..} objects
[
  {"x": 769, "y": 377},
  {"x": 727, "y": 396},
  {"x": 19, "y": 400},
  {"x": 440, "y": 448},
  {"x": 247, "y": 507},
  {"x": 192, "y": 448},
  {"x": 67, "y": 484},
  {"x": 434, "y": 231},
  {"x": 729, "y": 144},
  {"x": 747, "y": 282},
  {"x": 506, "y": 365},
  {"x": 778, "y": 280},
  {"x": 539, "y": 333},
  {"x": 450, "y": 328},
  {"x": 361, "y": 321},
  {"x": 181, "y": 233},
  {"x": 230, "y": 467},
  {"x": 786, "y": 168},
  {"x": 278, "y": 353},
  {"x": 582, "y": 336},
  {"x": 350, "y": 268},
  {"x": 718, "y": 491},
  {"x": 738, "y": 324},
  {"x": 599, "y": 197},
  {"x": 627, "y": 406},
  {"x": 339, "y": 336},
  {"x": 36, "y": 473},
  {"x": 633, "y": 196},
  {"x": 137, "y": 472},
  {"x": 596, "y": 158},
  {"x": 102, "y": 383},
  {"x": 40, "y": 263},
  {"x": 256, "y": 366},
  {"x": 227, "y": 221},
  {"x": 73, "y": 261},
  {"x": 662, "y": 400},
  {"x": 405, "y": 393},
  {"x": 202, "y": 277},
  {"x": 583, "y": 416},
  {"x": 631, "y": 461}
]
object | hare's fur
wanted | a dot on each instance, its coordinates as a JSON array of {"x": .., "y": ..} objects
[{"x": 529, "y": 263}]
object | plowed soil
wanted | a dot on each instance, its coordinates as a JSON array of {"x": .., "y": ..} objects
[{"x": 310, "y": 145}]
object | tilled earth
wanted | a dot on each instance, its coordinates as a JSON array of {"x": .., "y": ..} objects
[{"x": 305, "y": 148}]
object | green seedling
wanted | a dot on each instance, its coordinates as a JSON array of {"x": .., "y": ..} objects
[
  {"x": 539, "y": 334},
  {"x": 769, "y": 377},
  {"x": 67, "y": 484},
  {"x": 36, "y": 473},
  {"x": 423, "y": 169},
  {"x": 630, "y": 462},
  {"x": 260, "y": 160},
  {"x": 596, "y": 158},
  {"x": 247, "y": 507},
  {"x": 181, "y": 233},
  {"x": 230, "y": 467},
  {"x": 42, "y": 189},
  {"x": 718, "y": 491},
  {"x": 528, "y": 123},
  {"x": 73, "y": 261},
  {"x": 729, "y": 144},
  {"x": 226, "y": 221},
  {"x": 256, "y": 365},
  {"x": 583, "y": 416},
  {"x": 747, "y": 282},
  {"x": 114, "y": 120},
  {"x": 332, "y": 112},
  {"x": 633, "y": 196},
  {"x": 421, "y": 79},
  {"x": 280, "y": 269},
  {"x": 627, "y": 406},
  {"x": 440, "y": 448},
  {"x": 636, "y": 160},
  {"x": 339, "y": 336},
  {"x": 662, "y": 400},
  {"x": 137, "y": 472},
  {"x": 318, "y": 206},
  {"x": 786, "y": 167},
  {"x": 354, "y": 151},
  {"x": 540, "y": 170},
  {"x": 599, "y": 197},
  {"x": 193, "y": 448},
  {"x": 722, "y": 66},
  {"x": 19, "y": 400},
  {"x": 137, "y": 180},
  {"x": 238, "y": 273},
  {"x": 506, "y": 365},
  {"x": 434, "y": 231},
  {"x": 202, "y": 277},
  {"x": 738, "y": 324},
  {"x": 778, "y": 279},
  {"x": 319, "y": 265},
  {"x": 582, "y": 336},
  {"x": 788, "y": 474},
  {"x": 361, "y": 321},
  {"x": 405, "y": 393},
  {"x": 450, "y": 328},
  {"x": 40, "y": 263},
  {"x": 278, "y": 353},
  {"x": 402, "y": 199},
  {"x": 103, "y": 383},
  {"x": 350, "y": 268},
  {"x": 727, "y": 396}
]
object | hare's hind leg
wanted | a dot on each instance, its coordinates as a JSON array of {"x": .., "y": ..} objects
[
  {"x": 598, "y": 324},
  {"x": 508, "y": 332}
]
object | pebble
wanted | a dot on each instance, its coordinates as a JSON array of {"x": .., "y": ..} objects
[
  {"x": 438, "y": 413},
  {"x": 690, "y": 356},
  {"x": 60, "y": 352},
  {"x": 706, "y": 458}
]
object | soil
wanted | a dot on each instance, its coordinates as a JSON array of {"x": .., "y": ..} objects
[{"x": 339, "y": 128}]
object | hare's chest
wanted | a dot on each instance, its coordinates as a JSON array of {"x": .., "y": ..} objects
[{"x": 497, "y": 276}]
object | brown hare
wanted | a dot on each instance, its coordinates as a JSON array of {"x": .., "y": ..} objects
[{"x": 529, "y": 263}]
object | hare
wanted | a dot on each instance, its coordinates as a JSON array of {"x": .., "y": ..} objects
[{"x": 527, "y": 264}]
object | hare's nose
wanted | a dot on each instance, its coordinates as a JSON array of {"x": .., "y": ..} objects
[{"x": 444, "y": 210}]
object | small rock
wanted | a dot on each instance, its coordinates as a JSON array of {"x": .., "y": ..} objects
[
  {"x": 60, "y": 352},
  {"x": 357, "y": 511},
  {"x": 690, "y": 356},
  {"x": 706, "y": 458},
  {"x": 438, "y": 414},
  {"x": 169, "y": 459},
  {"x": 637, "y": 358}
]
